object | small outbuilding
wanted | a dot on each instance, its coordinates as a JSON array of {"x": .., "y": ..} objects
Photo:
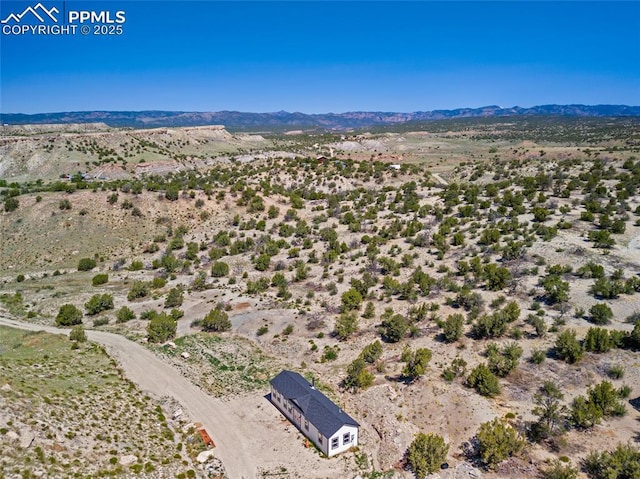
[{"x": 323, "y": 422}]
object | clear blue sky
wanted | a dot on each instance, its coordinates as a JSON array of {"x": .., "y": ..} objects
[{"x": 318, "y": 57}]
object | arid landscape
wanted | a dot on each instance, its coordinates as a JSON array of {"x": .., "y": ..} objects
[{"x": 474, "y": 279}]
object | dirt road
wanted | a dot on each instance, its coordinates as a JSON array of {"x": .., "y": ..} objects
[{"x": 159, "y": 379}]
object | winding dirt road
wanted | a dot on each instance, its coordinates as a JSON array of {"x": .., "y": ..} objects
[{"x": 159, "y": 379}]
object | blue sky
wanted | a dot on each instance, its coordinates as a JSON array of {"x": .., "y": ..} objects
[{"x": 327, "y": 56}]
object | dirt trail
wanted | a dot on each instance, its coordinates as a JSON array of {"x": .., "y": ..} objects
[
  {"x": 632, "y": 251},
  {"x": 440, "y": 179},
  {"x": 160, "y": 379}
]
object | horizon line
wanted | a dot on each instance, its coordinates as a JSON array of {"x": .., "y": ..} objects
[{"x": 321, "y": 113}]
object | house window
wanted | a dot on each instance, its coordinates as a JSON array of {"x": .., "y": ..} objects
[
  {"x": 346, "y": 438},
  {"x": 306, "y": 424},
  {"x": 320, "y": 438},
  {"x": 334, "y": 442}
]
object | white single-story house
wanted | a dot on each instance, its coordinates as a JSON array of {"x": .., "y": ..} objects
[{"x": 314, "y": 414}]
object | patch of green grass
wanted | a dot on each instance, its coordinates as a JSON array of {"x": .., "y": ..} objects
[
  {"x": 77, "y": 394},
  {"x": 14, "y": 304}
]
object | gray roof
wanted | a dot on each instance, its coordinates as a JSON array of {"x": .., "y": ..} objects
[{"x": 323, "y": 413}]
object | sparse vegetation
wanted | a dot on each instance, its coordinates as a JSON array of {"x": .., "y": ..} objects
[
  {"x": 378, "y": 280},
  {"x": 60, "y": 391}
]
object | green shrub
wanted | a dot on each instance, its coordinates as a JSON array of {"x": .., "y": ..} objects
[
  {"x": 452, "y": 327},
  {"x": 457, "y": 368},
  {"x": 602, "y": 400},
  {"x": 498, "y": 441},
  {"x": 346, "y": 325},
  {"x": 330, "y": 353},
  {"x": 172, "y": 194},
  {"x": 597, "y": 340},
  {"x": 568, "y": 348},
  {"x": 600, "y": 314},
  {"x": 216, "y": 320},
  {"x": 174, "y": 298},
  {"x": 219, "y": 269},
  {"x": 358, "y": 377},
  {"x": 538, "y": 356},
  {"x": 158, "y": 282},
  {"x": 372, "y": 352},
  {"x": 369, "y": 311},
  {"x": 258, "y": 286},
  {"x": 616, "y": 372},
  {"x": 394, "y": 327},
  {"x": 556, "y": 290},
  {"x": 161, "y": 328},
  {"x": 502, "y": 362},
  {"x": 11, "y": 204},
  {"x": 484, "y": 381},
  {"x": 490, "y": 325},
  {"x": 351, "y": 300},
  {"x": 621, "y": 463},
  {"x": 417, "y": 362},
  {"x": 557, "y": 470},
  {"x": 426, "y": 453},
  {"x": 262, "y": 262},
  {"x": 549, "y": 410},
  {"x": 136, "y": 265},
  {"x": 99, "y": 279},
  {"x": 78, "y": 334},
  {"x": 288, "y": 330},
  {"x": 68, "y": 315},
  {"x": 139, "y": 289},
  {"x": 100, "y": 321},
  {"x": 86, "y": 264},
  {"x": 146, "y": 315},
  {"x": 99, "y": 303},
  {"x": 125, "y": 314}
]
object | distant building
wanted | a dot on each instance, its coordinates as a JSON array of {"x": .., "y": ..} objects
[
  {"x": 394, "y": 166},
  {"x": 314, "y": 414}
]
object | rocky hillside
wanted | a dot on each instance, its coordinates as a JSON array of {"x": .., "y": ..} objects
[{"x": 52, "y": 150}]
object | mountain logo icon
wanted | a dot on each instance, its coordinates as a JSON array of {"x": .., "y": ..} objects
[{"x": 39, "y": 12}]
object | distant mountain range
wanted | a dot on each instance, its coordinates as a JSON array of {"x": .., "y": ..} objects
[{"x": 283, "y": 120}]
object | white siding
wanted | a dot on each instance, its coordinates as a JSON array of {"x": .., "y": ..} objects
[
  {"x": 348, "y": 432},
  {"x": 312, "y": 432}
]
